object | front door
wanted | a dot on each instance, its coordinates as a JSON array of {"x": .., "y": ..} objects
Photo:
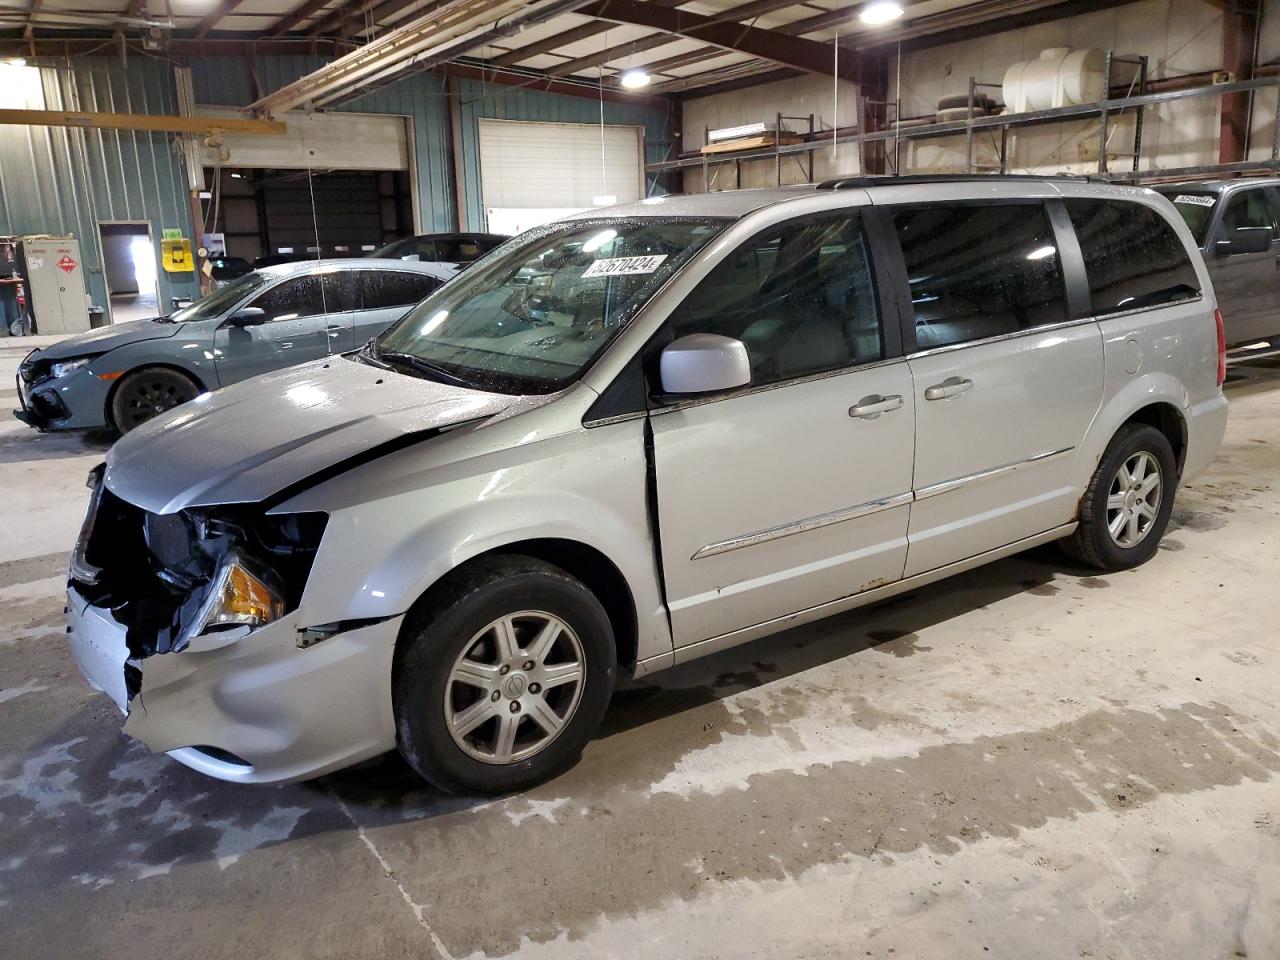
[
  {"x": 296, "y": 328},
  {"x": 796, "y": 491},
  {"x": 1247, "y": 284},
  {"x": 1005, "y": 385}
]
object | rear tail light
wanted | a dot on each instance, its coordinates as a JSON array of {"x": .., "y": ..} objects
[{"x": 1222, "y": 347}]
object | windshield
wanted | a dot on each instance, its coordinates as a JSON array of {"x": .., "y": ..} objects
[
  {"x": 221, "y": 299},
  {"x": 532, "y": 318},
  {"x": 1196, "y": 210}
]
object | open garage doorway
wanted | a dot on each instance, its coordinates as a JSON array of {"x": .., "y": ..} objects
[
  {"x": 129, "y": 263},
  {"x": 268, "y": 216}
]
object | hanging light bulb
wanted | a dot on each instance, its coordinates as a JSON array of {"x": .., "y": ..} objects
[
  {"x": 635, "y": 79},
  {"x": 880, "y": 12}
]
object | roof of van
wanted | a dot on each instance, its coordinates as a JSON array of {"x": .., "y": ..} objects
[
  {"x": 738, "y": 203},
  {"x": 1215, "y": 186}
]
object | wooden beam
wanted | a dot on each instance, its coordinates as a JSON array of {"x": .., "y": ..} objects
[
  {"x": 215, "y": 17},
  {"x": 151, "y": 122},
  {"x": 788, "y": 51}
]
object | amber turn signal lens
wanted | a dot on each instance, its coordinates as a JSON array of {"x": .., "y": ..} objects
[{"x": 246, "y": 599}]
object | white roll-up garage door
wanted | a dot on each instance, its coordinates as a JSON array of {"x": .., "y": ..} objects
[
  {"x": 533, "y": 172},
  {"x": 317, "y": 141}
]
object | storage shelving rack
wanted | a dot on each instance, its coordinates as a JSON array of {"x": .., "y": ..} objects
[{"x": 1104, "y": 110}]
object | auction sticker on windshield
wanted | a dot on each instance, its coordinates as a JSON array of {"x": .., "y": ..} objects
[
  {"x": 624, "y": 266},
  {"x": 1199, "y": 199}
]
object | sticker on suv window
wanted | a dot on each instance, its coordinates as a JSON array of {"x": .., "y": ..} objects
[
  {"x": 1199, "y": 199},
  {"x": 624, "y": 266}
]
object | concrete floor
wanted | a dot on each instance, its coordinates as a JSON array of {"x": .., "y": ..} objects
[{"x": 1024, "y": 762}]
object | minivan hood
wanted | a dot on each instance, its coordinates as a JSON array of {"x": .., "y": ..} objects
[
  {"x": 109, "y": 337},
  {"x": 249, "y": 441}
]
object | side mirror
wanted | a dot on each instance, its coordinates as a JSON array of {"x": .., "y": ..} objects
[
  {"x": 248, "y": 317},
  {"x": 703, "y": 363},
  {"x": 1245, "y": 240}
]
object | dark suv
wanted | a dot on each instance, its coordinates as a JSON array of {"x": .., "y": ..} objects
[
  {"x": 458, "y": 249},
  {"x": 1237, "y": 226}
]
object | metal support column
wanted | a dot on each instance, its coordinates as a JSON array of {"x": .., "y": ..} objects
[
  {"x": 968, "y": 129},
  {"x": 1102, "y": 131}
]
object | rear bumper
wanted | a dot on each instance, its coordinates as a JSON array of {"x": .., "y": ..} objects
[
  {"x": 1206, "y": 426},
  {"x": 254, "y": 710}
]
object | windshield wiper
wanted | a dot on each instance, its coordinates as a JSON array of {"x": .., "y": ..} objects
[{"x": 426, "y": 368}]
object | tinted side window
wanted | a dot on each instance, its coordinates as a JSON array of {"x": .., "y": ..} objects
[
  {"x": 299, "y": 297},
  {"x": 394, "y": 288},
  {"x": 1249, "y": 209},
  {"x": 341, "y": 291},
  {"x": 458, "y": 250},
  {"x": 1132, "y": 256},
  {"x": 800, "y": 297},
  {"x": 979, "y": 271}
]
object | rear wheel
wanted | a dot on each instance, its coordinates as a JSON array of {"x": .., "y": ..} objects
[
  {"x": 505, "y": 673},
  {"x": 1126, "y": 508},
  {"x": 147, "y": 393}
]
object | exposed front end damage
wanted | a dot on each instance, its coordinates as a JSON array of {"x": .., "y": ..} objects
[{"x": 189, "y": 622}]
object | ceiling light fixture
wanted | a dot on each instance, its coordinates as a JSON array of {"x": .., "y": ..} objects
[
  {"x": 880, "y": 12},
  {"x": 635, "y": 79}
]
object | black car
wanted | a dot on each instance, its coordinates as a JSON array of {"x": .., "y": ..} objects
[{"x": 458, "y": 249}]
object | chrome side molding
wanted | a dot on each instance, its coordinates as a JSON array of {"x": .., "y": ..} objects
[
  {"x": 946, "y": 486},
  {"x": 868, "y": 508},
  {"x": 802, "y": 526}
]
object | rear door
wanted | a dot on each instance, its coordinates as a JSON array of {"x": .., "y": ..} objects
[
  {"x": 1006, "y": 376},
  {"x": 1247, "y": 284},
  {"x": 795, "y": 491},
  {"x": 386, "y": 296}
]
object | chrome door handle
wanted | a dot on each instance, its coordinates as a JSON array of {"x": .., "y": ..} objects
[
  {"x": 950, "y": 387},
  {"x": 868, "y": 408}
]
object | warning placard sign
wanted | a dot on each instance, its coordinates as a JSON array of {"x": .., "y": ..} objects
[{"x": 66, "y": 264}]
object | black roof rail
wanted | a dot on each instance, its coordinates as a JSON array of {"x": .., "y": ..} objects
[{"x": 851, "y": 183}]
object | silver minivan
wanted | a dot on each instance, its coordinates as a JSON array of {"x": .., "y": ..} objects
[{"x": 632, "y": 438}]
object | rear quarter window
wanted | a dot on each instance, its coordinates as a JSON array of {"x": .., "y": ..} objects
[{"x": 1132, "y": 256}]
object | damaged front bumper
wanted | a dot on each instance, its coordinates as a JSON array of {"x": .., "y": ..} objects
[{"x": 251, "y": 707}]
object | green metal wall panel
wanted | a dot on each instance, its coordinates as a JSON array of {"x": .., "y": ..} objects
[
  {"x": 229, "y": 82},
  {"x": 62, "y": 180}
]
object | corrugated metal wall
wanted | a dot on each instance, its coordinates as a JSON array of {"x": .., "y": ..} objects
[
  {"x": 61, "y": 180},
  {"x": 230, "y": 82}
]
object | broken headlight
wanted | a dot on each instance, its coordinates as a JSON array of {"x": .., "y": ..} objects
[{"x": 238, "y": 597}]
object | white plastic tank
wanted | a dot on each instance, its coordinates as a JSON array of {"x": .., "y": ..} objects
[{"x": 1060, "y": 77}]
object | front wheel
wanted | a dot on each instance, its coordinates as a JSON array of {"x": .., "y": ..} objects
[
  {"x": 504, "y": 674},
  {"x": 1126, "y": 508},
  {"x": 147, "y": 393}
]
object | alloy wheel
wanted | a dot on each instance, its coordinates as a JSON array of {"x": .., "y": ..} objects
[
  {"x": 1133, "y": 502},
  {"x": 514, "y": 687}
]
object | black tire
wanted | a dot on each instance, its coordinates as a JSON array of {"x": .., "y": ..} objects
[
  {"x": 1093, "y": 543},
  {"x": 960, "y": 101},
  {"x": 446, "y": 624},
  {"x": 147, "y": 393}
]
